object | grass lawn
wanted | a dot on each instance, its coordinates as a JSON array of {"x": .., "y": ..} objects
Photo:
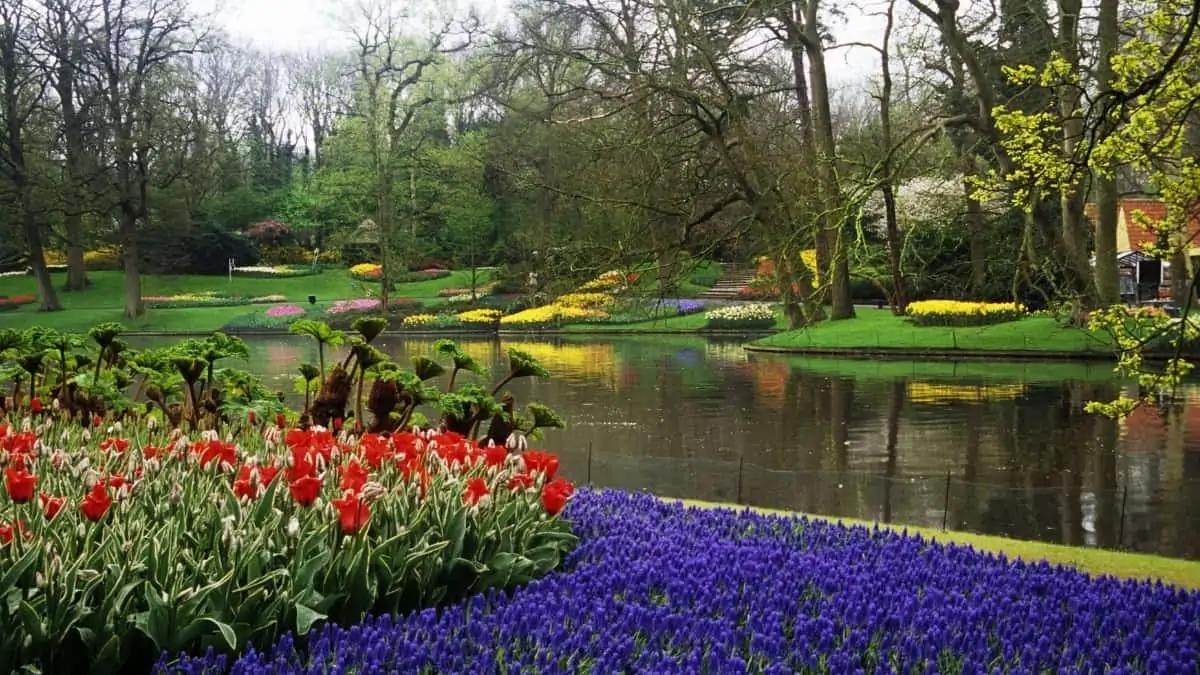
[
  {"x": 996, "y": 371},
  {"x": 1185, "y": 573},
  {"x": 104, "y": 300},
  {"x": 880, "y": 329}
]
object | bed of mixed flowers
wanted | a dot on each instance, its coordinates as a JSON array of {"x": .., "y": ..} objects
[{"x": 764, "y": 594}]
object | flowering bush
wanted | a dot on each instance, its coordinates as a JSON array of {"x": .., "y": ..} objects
[
  {"x": 205, "y": 299},
  {"x": 754, "y": 316},
  {"x": 553, "y": 314},
  {"x": 804, "y": 597},
  {"x": 481, "y": 291},
  {"x": 273, "y": 271},
  {"x": 367, "y": 271},
  {"x": 106, "y": 258},
  {"x": 488, "y": 317},
  {"x": 586, "y": 300},
  {"x": 959, "y": 313},
  {"x": 612, "y": 281},
  {"x": 267, "y": 299},
  {"x": 358, "y": 305},
  {"x": 13, "y": 302},
  {"x": 285, "y": 310},
  {"x": 206, "y": 536}
]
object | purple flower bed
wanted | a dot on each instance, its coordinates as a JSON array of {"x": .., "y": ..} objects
[
  {"x": 654, "y": 587},
  {"x": 686, "y": 306}
]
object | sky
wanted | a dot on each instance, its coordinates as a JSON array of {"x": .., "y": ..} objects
[{"x": 287, "y": 25}]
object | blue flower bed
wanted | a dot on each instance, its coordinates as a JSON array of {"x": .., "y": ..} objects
[{"x": 657, "y": 588}]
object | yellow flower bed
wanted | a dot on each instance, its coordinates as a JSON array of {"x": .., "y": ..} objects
[
  {"x": 585, "y": 300},
  {"x": 366, "y": 269},
  {"x": 961, "y": 313},
  {"x": 551, "y": 314},
  {"x": 487, "y": 316},
  {"x": 418, "y": 320}
]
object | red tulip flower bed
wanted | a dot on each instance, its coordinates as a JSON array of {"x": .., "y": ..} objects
[{"x": 120, "y": 545}]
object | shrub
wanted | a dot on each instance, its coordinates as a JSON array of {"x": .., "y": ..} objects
[
  {"x": 11, "y": 303},
  {"x": 367, "y": 271},
  {"x": 287, "y": 254},
  {"x": 268, "y": 233},
  {"x": 744, "y": 317},
  {"x": 551, "y": 315},
  {"x": 480, "y": 317},
  {"x": 182, "y": 300},
  {"x": 202, "y": 248},
  {"x": 285, "y": 310},
  {"x": 586, "y": 300},
  {"x": 273, "y": 271},
  {"x": 706, "y": 275},
  {"x": 106, "y": 258},
  {"x": 960, "y": 313}
]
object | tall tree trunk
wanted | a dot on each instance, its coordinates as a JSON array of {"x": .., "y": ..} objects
[
  {"x": 74, "y": 153},
  {"x": 47, "y": 296},
  {"x": 1074, "y": 233},
  {"x": 795, "y": 41},
  {"x": 1108, "y": 285},
  {"x": 899, "y": 288},
  {"x": 134, "y": 307},
  {"x": 831, "y": 217}
]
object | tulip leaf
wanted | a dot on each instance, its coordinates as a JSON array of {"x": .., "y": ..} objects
[
  {"x": 305, "y": 618},
  {"x": 8, "y": 582},
  {"x": 109, "y": 658}
]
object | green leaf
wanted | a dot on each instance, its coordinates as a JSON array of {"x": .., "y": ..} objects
[
  {"x": 305, "y": 618},
  {"x": 155, "y": 623},
  {"x": 8, "y": 582},
  {"x": 108, "y": 660},
  {"x": 199, "y": 628}
]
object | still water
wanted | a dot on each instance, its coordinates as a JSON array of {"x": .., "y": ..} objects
[{"x": 996, "y": 448}]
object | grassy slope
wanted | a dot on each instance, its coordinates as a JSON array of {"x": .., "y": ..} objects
[
  {"x": 105, "y": 298},
  {"x": 879, "y": 329},
  {"x": 1185, "y": 573}
]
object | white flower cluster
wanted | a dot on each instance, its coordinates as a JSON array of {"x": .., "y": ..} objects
[
  {"x": 261, "y": 269},
  {"x": 759, "y": 311}
]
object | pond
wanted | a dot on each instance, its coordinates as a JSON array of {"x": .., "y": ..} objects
[{"x": 995, "y": 448}]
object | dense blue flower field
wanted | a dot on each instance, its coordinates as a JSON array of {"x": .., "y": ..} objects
[{"x": 658, "y": 588}]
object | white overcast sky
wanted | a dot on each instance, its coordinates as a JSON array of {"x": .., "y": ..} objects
[{"x": 286, "y": 25}]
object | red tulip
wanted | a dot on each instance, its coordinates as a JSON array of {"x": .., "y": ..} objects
[
  {"x": 280, "y": 420},
  {"x": 337, "y": 424},
  {"x": 35, "y": 405},
  {"x": 521, "y": 481},
  {"x": 52, "y": 505},
  {"x": 555, "y": 495},
  {"x": 20, "y": 483},
  {"x": 495, "y": 455},
  {"x": 305, "y": 490},
  {"x": 96, "y": 503},
  {"x": 545, "y": 462},
  {"x": 7, "y": 531},
  {"x": 353, "y": 477},
  {"x": 253, "y": 417},
  {"x": 97, "y": 420},
  {"x": 353, "y": 513},
  {"x": 476, "y": 490},
  {"x": 118, "y": 444}
]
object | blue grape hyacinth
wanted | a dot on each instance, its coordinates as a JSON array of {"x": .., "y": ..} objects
[{"x": 659, "y": 588}]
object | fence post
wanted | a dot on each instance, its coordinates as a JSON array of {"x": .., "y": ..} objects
[
  {"x": 946, "y": 503},
  {"x": 589, "y": 464},
  {"x": 1121, "y": 530},
  {"x": 741, "y": 467}
]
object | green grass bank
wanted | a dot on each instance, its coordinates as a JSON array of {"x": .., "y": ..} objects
[
  {"x": 880, "y": 333},
  {"x": 104, "y": 300},
  {"x": 1094, "y": 561}
]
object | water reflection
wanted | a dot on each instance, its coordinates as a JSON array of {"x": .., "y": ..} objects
[{"x": 1009, "y": 443}]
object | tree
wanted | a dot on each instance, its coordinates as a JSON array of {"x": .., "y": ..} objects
[
  {"x": 134, "y": 49},
  {"x": 22, "y": 98},
  {"x": 391, "y": 73}
]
